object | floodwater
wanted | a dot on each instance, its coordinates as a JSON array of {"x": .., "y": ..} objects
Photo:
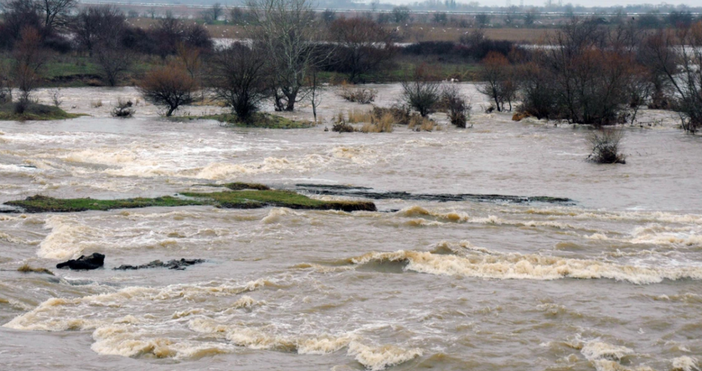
[{"x": 610, "y": 281}]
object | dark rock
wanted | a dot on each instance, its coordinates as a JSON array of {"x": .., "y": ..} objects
[
  {"x": 93, "y": 261},
  {"x": 171, "y": 264},
  {"x": 334, "y": 190}
]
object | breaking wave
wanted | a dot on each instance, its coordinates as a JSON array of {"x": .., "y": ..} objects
[
  {"x": 381, "y": 357},
  {"x": 495, "y": 265}
]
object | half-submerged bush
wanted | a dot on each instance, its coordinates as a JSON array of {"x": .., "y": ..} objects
[
  {"x": 421, "y": 91},
  {"x": 457, "y": 107},
  {"x": 605, "y": 146},
  {"x": 123, "y": 109},
  {"x": 340, "y": 126}
]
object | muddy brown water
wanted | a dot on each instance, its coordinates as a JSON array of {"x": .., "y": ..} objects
[{"x": 611, "y": 282}]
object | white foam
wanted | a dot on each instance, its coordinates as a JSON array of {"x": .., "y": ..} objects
[
  {"x": 527, "y": 266},
  {"x": 381, "y": 357},
  {"x": 685, "y": 363}
]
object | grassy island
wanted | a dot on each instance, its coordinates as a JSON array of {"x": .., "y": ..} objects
[
  {"x": 34, "y": 111},
  {"x": 243, "y": 197}
]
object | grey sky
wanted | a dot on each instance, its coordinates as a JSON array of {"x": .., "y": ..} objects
[{"x": 574, "y": 2}]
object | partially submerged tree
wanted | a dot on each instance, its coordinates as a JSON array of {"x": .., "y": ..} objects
[
  {"x": 679, "y": 57},
  {"x": 239, "y": 79},
  {"x": 421, "y": 91},
  {"x": 28, "y": 58},
  {"x": 497, "y": 83},
  {"x": 457, "y": 107},
  {"x": 5, "y": 84},
  {"x": 169, "y": 86},
  {"x": 585, "y": 76},
  {"x": 286, "y": 30},
  {"x": 605, "y": 146}
]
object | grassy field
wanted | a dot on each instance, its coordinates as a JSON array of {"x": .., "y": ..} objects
[{"x": 413, "y": 33}]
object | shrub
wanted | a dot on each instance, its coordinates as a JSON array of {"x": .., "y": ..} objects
[
  {"x": 456, "y": 106},
  {"x": 358, "y": 95},
  {"x": 123, "y": 109},
  {"x": 342, "y": 127},
  {"x": 169, "y": 86},
  {"x": 605, "y": 146},
  {"x": 421, "y": 92}
]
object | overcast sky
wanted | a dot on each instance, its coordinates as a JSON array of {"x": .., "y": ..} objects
[{"x": 574, "y": 2}]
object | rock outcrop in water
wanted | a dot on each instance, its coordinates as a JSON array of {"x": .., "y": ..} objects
[
  {"x": 93, "y": 261},
  {"x": 364, "y": 192},
  {"x": 171, "y": 264}
]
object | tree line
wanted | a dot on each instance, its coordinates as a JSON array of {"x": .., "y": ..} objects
[{"x": 588, "y": 73}]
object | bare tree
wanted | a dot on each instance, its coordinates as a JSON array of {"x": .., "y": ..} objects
[
  {"x": 494, "y": 75},
  {"x": 315, "y": 92},
  {"x": 364, "y": 46},
  {"x": 679, "y": 57},
  {"x": 169, "y": 86},
  {"x": 212, "y": 14},
  {"x": 17, "y": 16},
  {"x": 586, "y": 75},
  {"x": 239, "y": 79},
  {"x": 170, "y": 32},
  {"x": 98, "y": 24},
  {"x": 5, "y": 84},
  {"x": 286, "y": 29},
  {"x": 28, "y": 59},
  {"x": 114, "y": 61},
  {"x": 56, "y": 13}
]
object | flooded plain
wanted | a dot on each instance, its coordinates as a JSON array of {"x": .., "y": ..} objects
[{"x": 608, "y": 281}]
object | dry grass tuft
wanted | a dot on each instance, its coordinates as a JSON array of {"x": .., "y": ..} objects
[
  {"x": 420, "y": 123},
  {"x": 25, "y": 268},
  {"x": 356, "y": 116}
]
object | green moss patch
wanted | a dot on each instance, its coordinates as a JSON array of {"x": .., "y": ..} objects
[
  {"x": 34, "y": 112},
  {"x": 242, "y": 199},
  {"x": 40, "y": 204},
  {"x": 258, "y": 198},
  {"x": 260, "y": 120}
]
